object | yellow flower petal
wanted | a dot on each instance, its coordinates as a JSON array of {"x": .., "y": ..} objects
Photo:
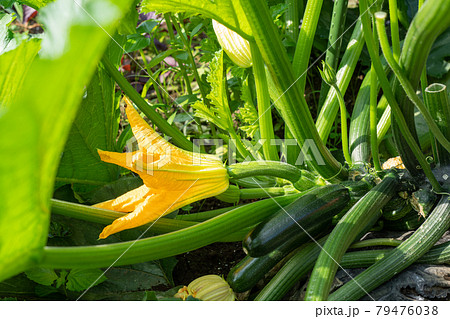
[
  {"x": 172, "y": 177},
  {"x": 128, "y": 201}
]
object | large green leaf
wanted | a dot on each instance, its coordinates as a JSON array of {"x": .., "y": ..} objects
[
  {"x": 36, "y": 3},
  {"x": 14, "y": 65},
  {"x": 95, "y": 127},
  {"x": 36, "y": 121},
  {"x": 227, "y": 12}
]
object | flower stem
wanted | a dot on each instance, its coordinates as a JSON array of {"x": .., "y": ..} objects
[{"x": 344, "y": 130}]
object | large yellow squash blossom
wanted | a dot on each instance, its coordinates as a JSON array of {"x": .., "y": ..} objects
[{"x": 172, "y": 177}]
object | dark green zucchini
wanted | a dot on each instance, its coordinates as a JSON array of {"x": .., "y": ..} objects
[
  {"x": 409, "y": 222},
  {"x": 397, "y": 208},
  {"x": 305, "y": 217},
  {"x": 246, "y": 274}
]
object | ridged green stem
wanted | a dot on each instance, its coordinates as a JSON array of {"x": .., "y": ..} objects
[
  {"x": 334, "y": 41},
  {"x": 330, "y": 107},
  {"x": 257, "y": 193},
  {"x": 264, "y": 168},
  {"x": 385, "y": 121},
  {"x": 380, "y": 18},
  {"x": 178, "y": 137},
  {"x": 430, "y": 21},
  {"x": 105, "y": 216},
  {"x": 361, "y": 216},
  {"x": 289, "y": 101},
  {"x": 401, "y": 257},
  {"x": 162, "y": 246},
  {"x": 344, "y": 130},
  {"x": 394, "y": 29},
  {"x": 373, "y": 113},
  {"x": 423, "y": 76},
  {"x": 202, "y": 216},
  {"x": 264, "y": 107},
  {"x": 399, "y": 118},
  {"x": 359, "y": 135},
  {"x": 292, "y": 17},
  {"x": 437, "y": 101},
  {"x": 376, "y": 242},
  {"x": 305, "y": 42}
]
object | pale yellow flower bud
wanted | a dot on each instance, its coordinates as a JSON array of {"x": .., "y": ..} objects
[
  {"x": 208, "y": 288},
  {"x": 236, "y": 47}
]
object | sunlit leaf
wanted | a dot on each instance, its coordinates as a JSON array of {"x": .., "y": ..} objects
[
  {"x": 95, "y": 127},
  {"x": 227, "y": 12},
  {"x": 35, "y": 122},
  {"x": 219, "y": 111}
]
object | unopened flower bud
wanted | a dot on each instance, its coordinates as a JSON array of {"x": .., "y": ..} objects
[
  {"x": 208, "y": 288},
  {"x": 328, "y": 74},
  {"x": 236, "y": 47}
]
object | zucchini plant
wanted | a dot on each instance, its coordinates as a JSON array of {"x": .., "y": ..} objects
[{"x": 136, "y": 156}]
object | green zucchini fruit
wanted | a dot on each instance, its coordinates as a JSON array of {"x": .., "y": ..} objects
[
  {"x": 401, "y": 257},
  {"x": 305, "y": 217},
  {"x": 246, "y": 274},
  {"x": 359, "y": 218},
  {"x": 409, "y": 222}
]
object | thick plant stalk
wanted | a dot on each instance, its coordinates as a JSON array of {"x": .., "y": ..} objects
[
  {"x": 294, "y": 8},
  {"x": 430, "y": 21},
  {"x": 264, "y": 107},
  {"x": 305, "y": 42},
  {"x": 104, "y": 216},
  {"x": 360, "y": 217},
  {"x": 289, "y": 101},
  {"x": 401, "y": 257},
  {"x": 380, "y": 18},
  {"x": 423, "y": 76},
  {"x": 178, "y": 138},
  {"x": 162, "y": 246},
  {"x": 394, "y": 29},
  {"x": 385, "y": 121},
  {"x": 373, "y": 113},
  {"x": 330, "y": 107},
  {"x": 359, "y": 137},
  {"x": 439, "y": 106},
  {"x": 334, "y": 41},
  {"x": 264, "y": 168},
  {"x": 403, "y": 125}
]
